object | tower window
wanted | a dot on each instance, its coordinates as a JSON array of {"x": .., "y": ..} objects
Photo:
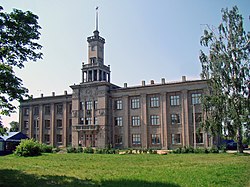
[{"x": 93, "y": 48}]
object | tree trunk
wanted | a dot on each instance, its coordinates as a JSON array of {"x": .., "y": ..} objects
[{"x": 239, "y": 138}]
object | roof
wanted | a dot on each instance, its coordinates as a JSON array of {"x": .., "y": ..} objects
[{"x": 13, "y": 136}]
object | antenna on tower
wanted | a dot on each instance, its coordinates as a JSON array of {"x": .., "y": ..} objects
[{"x": 96, "y": 18}]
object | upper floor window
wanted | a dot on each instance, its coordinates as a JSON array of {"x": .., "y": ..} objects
[
  {"x": 136, "y": 139},
  {"x": 88, "y": 121},
  {"x": 118, "y": 121},
  {"x": 36, "y": 110},
  {"x": 198, "y": 117},
  {"x": 59, "y": 109},
  {"x": 154, "y": 120},
  {"x": 196, "y": 98},
  {"x": 135, "y": 121},
  {"x": 59, "y": 123},
  {"x": 26, "y": 124},
  {"x": 118, "y": 104},
  {"x": 95, "y": 104},
  {"x": 47, "y": 124},
  {"x": 26, "y": 111},
  {"x": 154, "y": 101},
  {"x": 81, "y": 106},
  {"x": 175, "y": 118},
  {"x": 95, "y": 121},
  {"x": 93, "y": 47},
  {"x": 174, "y": 100},
  {"x": 47, "y": 109},
  {"x": 70, "y": 108},
  {"x": 88, "y": 105},
  {"x": 135, "y": 103},
  {"x": 155, "y": 138}
]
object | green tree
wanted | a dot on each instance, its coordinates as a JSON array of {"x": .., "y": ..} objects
[
  {"x": 225, "y": 65},
  {"x": 19, "y": 32},
  {"x": 14, "y": 126}
]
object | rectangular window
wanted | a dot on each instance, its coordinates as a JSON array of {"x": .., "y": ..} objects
[
  {"x": 176, "y": 138},
  {"x": 154, "y": 120},
  {"x": 118, "y": 121},
  {"x": 59, "y": 109},
  {"x": 59, "y": 123},
  {"x": 174, "y": 100},
  {"x": 118, "y": 139},
  {"x": 175, "y": 119},
  {"x": 36, "y": 124},
  {"x": 47, "y": 138},
  {"x": 26, "y": 124},
  {"x": 199, "y": 138},
  {"x": 155, "y": 139},
  {"x": 47, "y": 109},
  {"x": 81, "y": 105},
  {"x": 88, "y": 105},
  {"x": 26, "y": 111},
  {"x": 95, "y": 121},
  {"x": 136, "y": 139},
  {"x": 70, "y": 123},
  {"x": 198, "y": 118},
  {"x": 118, "y": 104},
  {"x": 81, "y": 120},
  {"x": 196, "y": 98},
  {"x": 88, "y": 121},
  {"x": 47, "y": 124},
  {"x": 95, "y": 105},
  {"x": 36, "y": 110},
  {"x": 135, "y": 103},
  {"x": 59, "y": 138},
  {"x": 136, "y": 121},
  {"x": 70, "y": 108},
  {"x": 154, "y": 101}
]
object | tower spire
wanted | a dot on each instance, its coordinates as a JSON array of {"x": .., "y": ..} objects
[{"x": 96, "y": 19}]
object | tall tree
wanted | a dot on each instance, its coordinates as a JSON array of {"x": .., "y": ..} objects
[
  {"x": 19, "y": 32},
  {"x": 225, "y": 64},
  {"x": 14, "y": 126}
]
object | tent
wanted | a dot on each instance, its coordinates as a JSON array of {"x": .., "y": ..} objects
[{"x": 9, "y": 142}]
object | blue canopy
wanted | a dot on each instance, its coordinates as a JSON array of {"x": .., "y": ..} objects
[{"x": 13, "y": 137}]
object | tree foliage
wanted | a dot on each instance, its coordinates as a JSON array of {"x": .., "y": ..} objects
[
  {"x": 19, "y": 32},
  {"x": 225, "y": 64},
  {"x": 14, "y": 126}
]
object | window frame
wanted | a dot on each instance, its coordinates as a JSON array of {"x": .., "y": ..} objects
[
  {"x": 175, "y": 119},
  {"x": 135, "y": 103},
  {"x": 118, "y": 104},
  {"x": 174, "y": 138},
  {"x": 196, "y": 98},
  {"x": 118, "y": 121},
  {"x": 154, "y": 101},
  {"x": 135, "y": 121},
  {"x": 154, "y": 120},
  {"x": 174, "y": 100},
  {"x": 136, "y": 139},
  {"x": 155, "y": 139}
]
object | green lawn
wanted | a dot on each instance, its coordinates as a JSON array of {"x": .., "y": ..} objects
[{"x": 125, "y": 170}]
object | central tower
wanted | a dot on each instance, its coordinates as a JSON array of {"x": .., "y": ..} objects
[{"x": 95, "y": 69}]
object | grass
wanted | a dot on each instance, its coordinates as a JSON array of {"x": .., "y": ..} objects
[{"x": 125, "y": 170}]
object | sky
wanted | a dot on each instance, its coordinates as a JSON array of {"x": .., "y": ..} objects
[{"x": 145, "y": 39}]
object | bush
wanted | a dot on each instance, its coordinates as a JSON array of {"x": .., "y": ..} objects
[
  {"x": 28, "y": 147},
  {"x": 88, "y": 150},
  {"x": 71, "y": 149},
  {"x": 55, "y": 150},
  {"x": 46, "y": 148},
  {"x": 214, "y": 149}
]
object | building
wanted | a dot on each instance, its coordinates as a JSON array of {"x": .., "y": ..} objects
[{"x": 99, "y": 113}]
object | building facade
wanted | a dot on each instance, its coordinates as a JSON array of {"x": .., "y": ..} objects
[{"x": 99, "y": 113}]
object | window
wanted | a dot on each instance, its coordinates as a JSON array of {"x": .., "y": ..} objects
[
  {"x": 198, "y": 118},
  {"x": 174, "y": 100},
  {"x": 88, "y": 105},
  {"x": 196, "y": 98},
  {"x": 135, "y": 103},
  {"x": 36, "y": 110},
  {"x": 26, "y": 124},
  {"x": 70, "y": 123},
  {"x": 135, "y": 121},
  {"x": 95, "y": 121},
  {"x": 118, "y": 139},
  {"x": 70, "y": 108},
  {"x": 59, "y": 123},
  {"x": 118, "y": 105},
  {"x": 154, "y": 102},
  {"x": 154, "y": 120},
  {"x": 88, "y": 121},
  {"x": 36, "y": 124},
  {"x": 95, "y": 104},
  {"x": 26, "y": 111},
  {"x": 93, "y": 48},
  {"x": 59, "y": 109},
  {"x": 47, "y": 110},
  {"x": 176, "y": 138},
  {"x": 199, "y": 138},
  {"x": 136, "y": 139},
  {"x": 47, "y": 124},
  {"x": 175, "y": 118},
  {"x": 81, "y": 120},
  {"x": 47, "y": 138},
  {"x": 59, "y": 138},
  {"x": 81, "y": 105},
  {"x": 118, "y": 121},
  {"x": 155, "y": 139}
]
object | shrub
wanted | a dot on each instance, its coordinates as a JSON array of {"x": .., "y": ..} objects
[
  {"x": 88, "y": 150},
  {"x": 46, "y": 148},
  {"x": 79, "y": 150},
  {"x": 28, "y": 147},
  {"x": 214, "y": 149},
  {"x": 55, "y": 150},
  {"x": 71, "y": 149}
]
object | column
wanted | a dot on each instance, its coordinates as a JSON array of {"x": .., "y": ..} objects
[
  {"x": 185, "y": 119},
  {"x": 21, "y": 123},
  {"x": 65, "y": 119},
  {"x": 31, "y": 126},
  {"x": 92, "y": 74},
  {"x": 144, "y": 124},
  {"x": 40, "y": 123},
  {"x": 98, "y": 76},
  {"x": 164, "y": 132},
  {"x": 52, "y": 129},
  {"x": 126, "y": 122}
]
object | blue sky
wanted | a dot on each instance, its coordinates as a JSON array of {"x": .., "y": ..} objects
[{"x": 145, "y": 39}]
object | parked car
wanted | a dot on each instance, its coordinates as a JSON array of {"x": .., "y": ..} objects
[{"x": 233, "y": 146}]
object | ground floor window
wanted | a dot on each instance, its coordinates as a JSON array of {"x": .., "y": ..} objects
[
  {"x": 136, "y": 139},
  {"x": 155, "y": 139},
  {"x": 176, "y": 138},
  {"x": 199, "y": 138},
  {"x": 118, "y": 139},
  {"x": 59, "y": 138},
  {"x": 47, "y": 138}
]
